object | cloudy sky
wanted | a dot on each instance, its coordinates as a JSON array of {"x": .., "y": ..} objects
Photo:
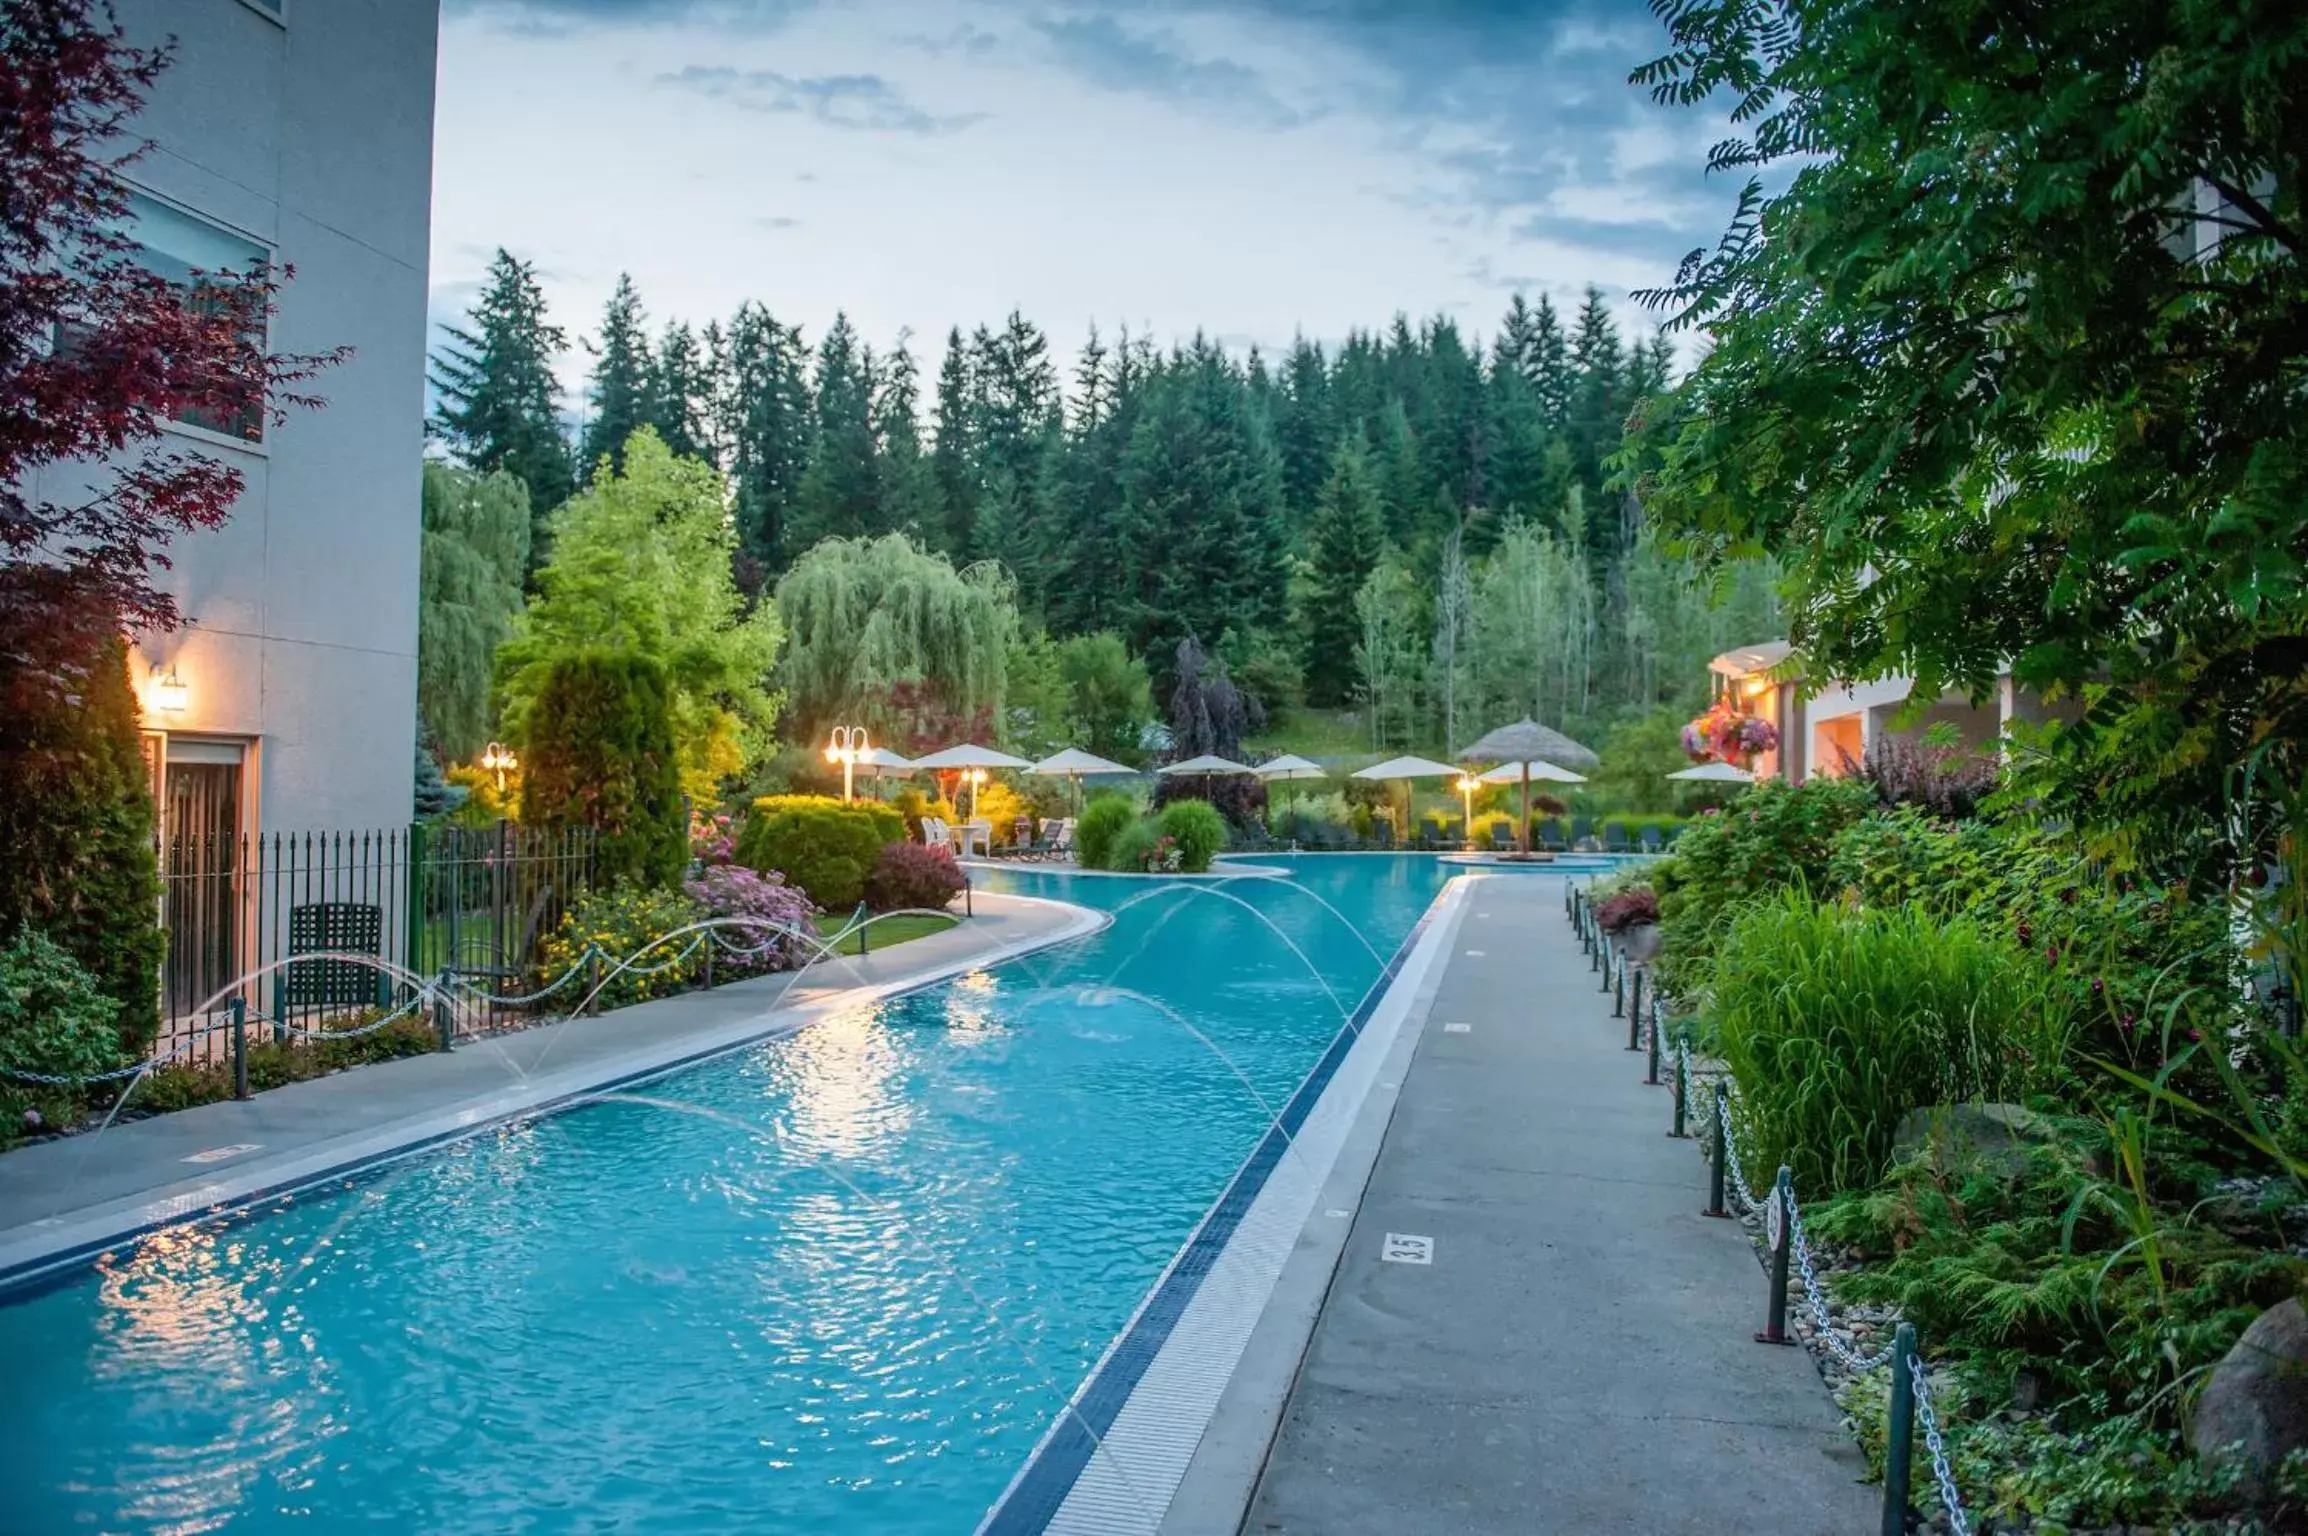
[{"x": 1251, "y": 169}]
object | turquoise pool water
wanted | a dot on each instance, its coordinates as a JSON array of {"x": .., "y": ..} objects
[{"x": 840, "y": 1282}]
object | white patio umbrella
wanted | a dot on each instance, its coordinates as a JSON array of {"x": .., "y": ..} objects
[
  {"x": 1208, "y": 766},
  {"x": 1715, "y": 773},
  {"x": 967, "y": 756},
  {"x": 1074, "y": 765},
  {"x": 1407, "y": 768},
  {"x": 1509, "y": 773},
  {"x": 1524, "y": 744},
  {"x": 1289, "y": 766}
]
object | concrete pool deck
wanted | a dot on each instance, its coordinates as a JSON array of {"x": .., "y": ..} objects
[
  {"x": 1530, "y": 1327},
  {"x": 64, "y": 1201}
]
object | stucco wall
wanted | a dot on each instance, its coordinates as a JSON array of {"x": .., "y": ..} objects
[{"x": 314, "y": 138}]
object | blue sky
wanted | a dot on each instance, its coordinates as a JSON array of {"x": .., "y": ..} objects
[{"x": 1251, "y": 170}]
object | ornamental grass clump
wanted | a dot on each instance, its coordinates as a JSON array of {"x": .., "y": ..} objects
[
  {"x": 1835, "y": 1023},
  {"x": 1198, "y": 832},
  {"x": 1103, "y": 821}
]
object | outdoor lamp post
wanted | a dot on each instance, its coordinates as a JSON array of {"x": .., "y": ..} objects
[
  {"x": 848, "y": 748},
  {"x": 973, "y": 777},
  {"x": 499, "y": 761},
  {"x": 1468, "y": 784}
]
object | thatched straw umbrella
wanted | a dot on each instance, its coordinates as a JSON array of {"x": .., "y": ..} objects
[{"x": 1527, "y": 742}]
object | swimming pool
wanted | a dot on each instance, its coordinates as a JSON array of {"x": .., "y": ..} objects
[{"x": 841, "y": 1281}]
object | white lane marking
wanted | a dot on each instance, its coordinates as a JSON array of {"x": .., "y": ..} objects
[
  {"x": 1407, "y": 1248},
  {"x": 1457, "y": 1029},
  {"x": 1475, "y": 953},
  {"x": 219, "y": 1154},
  {"x": 1339, "y": 1215}
]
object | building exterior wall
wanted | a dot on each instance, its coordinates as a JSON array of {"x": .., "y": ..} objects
[{"x": 311, "y": 135}]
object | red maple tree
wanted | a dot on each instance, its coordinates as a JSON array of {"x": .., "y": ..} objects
[{"x": 96, "y": 352}]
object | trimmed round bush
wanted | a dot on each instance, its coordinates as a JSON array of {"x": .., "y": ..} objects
[
  {"x": 53, "y": 1020},
  {"x": 600, "y": 754},
  {"x": 819, "y": 844},
  {"x": 910, "y": 875},
  {"x": 1198, "y": 830},
  {"x": 1101, "y": 822}
]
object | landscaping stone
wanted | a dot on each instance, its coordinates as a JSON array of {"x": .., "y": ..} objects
[
  {"x": 2255, "y": 1407},
  {"x": 1640, "y": 943},
  {"x": 1964, "y": 1135}
]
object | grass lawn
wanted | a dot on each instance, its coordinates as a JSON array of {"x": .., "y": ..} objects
[
  {"x": 1315, "y": 733},
  {"x": 890, "y": 930}
]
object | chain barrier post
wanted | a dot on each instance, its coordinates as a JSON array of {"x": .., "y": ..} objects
[
  {"x": 1619, "y": 996},
  {"x": 858, "y": 921},
  {"x": 969, "y": 897},
  {"x": 1717, "y": 1152},
  {"x": 710, "y": 947},
  {"x": 1635, "y": 1002},
  {"x": 1651, "y": 1074},
  {"x": 592, "y": 982},
  {"x": 1781, "y": 1233},
  {"x": 1899, "y": 1449},
  {"x": 240, "y": 1047},
  {"x": 445, "y": 1017},
  {"x": 1682, "y": 1085}
]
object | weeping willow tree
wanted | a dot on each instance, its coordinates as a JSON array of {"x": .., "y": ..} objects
[
  {"x": 864, "y": 616},
  {"x": 476, "y": 547}
]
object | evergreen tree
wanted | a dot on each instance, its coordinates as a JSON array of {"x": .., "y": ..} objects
[
  {"x": 619, "y": 396},
  {"x": 1014, "y": 416},
  {"x": 1402, "y": 478},
  {"x": 1348, "y": 534},
  {"x": 497, "y": 407},
  {"x": 767, "y": 426},
  {"x": 1303, "y": 430},
  {"x": 909, "y": 491},
  {"x": 840, "y": 496},
  {"x": 1598, "y": 410},
  {"x": 1547, "y": 364},
  {"x": 953, "y": 458},
  {"x": 680, "y": 395}
]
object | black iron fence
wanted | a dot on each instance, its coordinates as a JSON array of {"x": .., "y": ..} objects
[{"x": 239, "y": 911}]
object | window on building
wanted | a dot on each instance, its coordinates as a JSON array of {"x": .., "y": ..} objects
[
  {"x": 197, "y": 258},
  {"x": 276, "y": 9},
  {"x": 192, "y": 253}
]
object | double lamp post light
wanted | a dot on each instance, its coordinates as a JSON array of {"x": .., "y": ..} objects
[{"x": 848, "y": 748}]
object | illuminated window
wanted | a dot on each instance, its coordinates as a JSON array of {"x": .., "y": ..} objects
[{"x": 191, "y": 254}]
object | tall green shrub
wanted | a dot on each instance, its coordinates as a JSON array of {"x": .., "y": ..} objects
[
  {"x": 819, "y": 844},
  {"x": 1836, "y": 1022},
  {"x": 1198, "y": 830},
  {"x": 76, "y": 832},
  {"x": 1773, "y": 836},
  {"x": 600, "y": 753},
  {"x": 1101, "y": 821}
]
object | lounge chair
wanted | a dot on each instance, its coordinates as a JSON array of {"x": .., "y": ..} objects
[
  {"x": 935, "y": 833},
  {"x": 1382, "y": 836},
  {"x": 1452, "y": 833},
  {"x": 1651, "y": 841},
  {"x": 1551, "y": 836},
  {"x": 1502, "y": 837},
  {"x": 1062, "y": 842},
  {"x": 1582, "y": 828},
  {"x": 1040, "y": 844},
  {"x": 1615, "y": 838},
  {"x": 1674, "y": 831}
]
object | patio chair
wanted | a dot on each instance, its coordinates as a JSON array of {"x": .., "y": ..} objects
[
  {"x": 1450, "y": 833},
  {"x": 1062, "y": 843},
  {"x": 1040, "y": 845},
  {"x": 1551, "y": 836},
  {"x": 1502, "y": 837},
  {"x": 1651, "y": 840},
  {"x": 1582, "y": 828},
  {"x": 935, "y": 833},
  {"x": 1615, "y": 838}
]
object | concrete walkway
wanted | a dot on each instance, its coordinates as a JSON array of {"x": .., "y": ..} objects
[
  {"x": 1578, "y": 1356},
  {"x": 62, "y": 1200}
]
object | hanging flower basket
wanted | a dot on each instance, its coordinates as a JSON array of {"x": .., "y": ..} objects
[{"x": 1725, "y": 735}]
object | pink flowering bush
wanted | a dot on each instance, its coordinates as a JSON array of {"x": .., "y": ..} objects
[
  {"x": 732, "y": 890},
  {"x": 1725, "y": 735}
]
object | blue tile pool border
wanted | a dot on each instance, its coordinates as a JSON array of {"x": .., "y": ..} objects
[
  {"x": 69, "y": 1266},
  {"x": 1033, "y": 1498}
]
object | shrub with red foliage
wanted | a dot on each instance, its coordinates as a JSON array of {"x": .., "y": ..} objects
[
  {"x": 910, "y": 875},
  {"x": 1628, "y": 909},
  {"x": 96, "y": 351}
]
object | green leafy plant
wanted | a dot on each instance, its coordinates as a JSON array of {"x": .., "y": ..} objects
[
  {"x": 1134, "y": 845},
  {"x": 54, "y": 1020},
  {"x": 1835, "y": 1023},
  {"x": 1775, "y": 836},
  {"x": 1197, "y": 829},
  {"x": 1101, "y": 823},
  {"x": 819, "y": 844}
]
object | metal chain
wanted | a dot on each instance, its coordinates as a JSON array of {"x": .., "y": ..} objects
[
  {"x": 588, "y": 953},
  {"x": 1800, "y": 1241},
  {"x": 423, "y": 997},
  {"x": 630, "y": 969},
  {"x": 150, "y": 1064},
  {"x": 1950, "y": 1500},
  {"x": 1738, "y": 1179}
]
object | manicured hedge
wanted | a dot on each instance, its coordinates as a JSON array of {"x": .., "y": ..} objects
[
  {"x": 825, "y": 847},
  {"x": 600, "y": 754},
  {"x": 910, "y": 875},
  {"x": 1198, "y": 830}
]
